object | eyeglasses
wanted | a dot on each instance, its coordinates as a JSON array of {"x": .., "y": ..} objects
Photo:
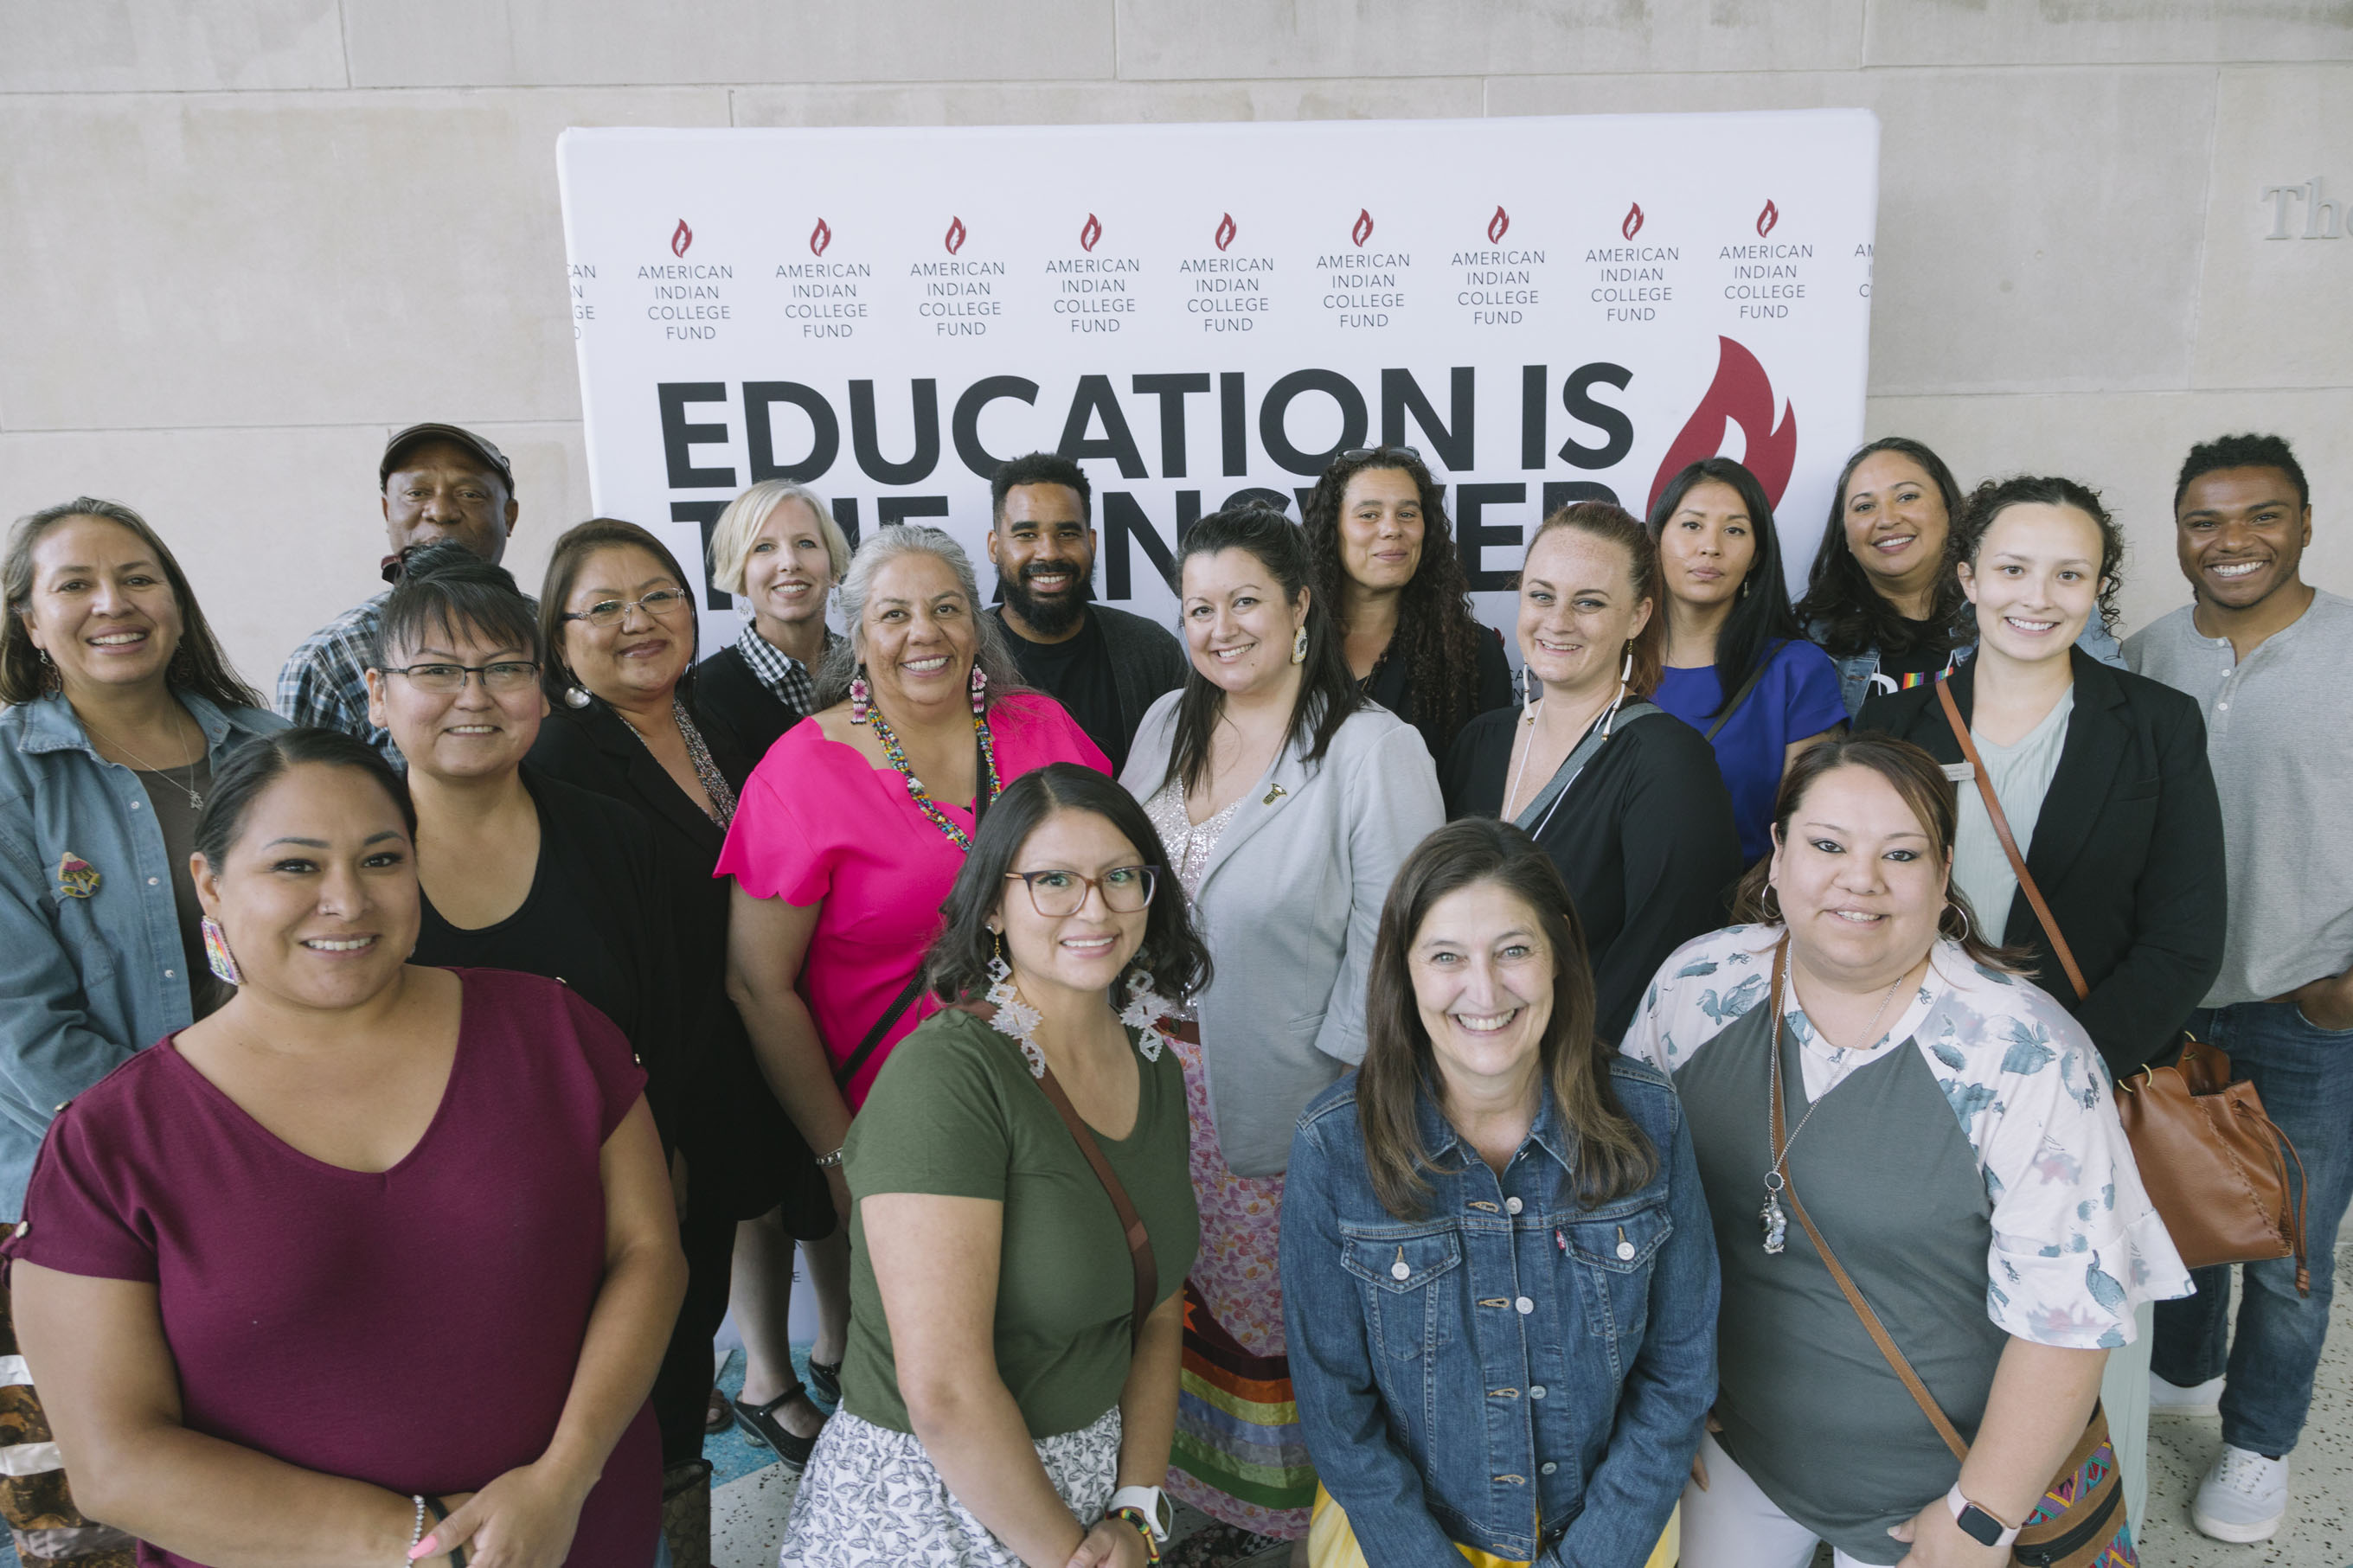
[
  {"x": 507, "y": 675},
  {"x": 1057, "y": 894},
  {"x": 608, "y": 611},
  {"x": 1358, "y": 454}
]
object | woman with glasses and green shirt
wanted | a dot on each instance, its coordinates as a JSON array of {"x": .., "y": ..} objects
[
  {"x": 617, "y": 625},
  {"x": 1010, "y": 1392}
]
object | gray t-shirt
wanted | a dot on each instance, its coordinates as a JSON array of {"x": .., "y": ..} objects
[
  {"x": 2021, "y": 774},
  {"x": 2279, "y": 733}
]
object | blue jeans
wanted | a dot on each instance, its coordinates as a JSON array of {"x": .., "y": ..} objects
[{"x": 2304, "y": 1074}]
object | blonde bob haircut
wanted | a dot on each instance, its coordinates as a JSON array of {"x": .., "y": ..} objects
[{"x": 740, "y": 524}]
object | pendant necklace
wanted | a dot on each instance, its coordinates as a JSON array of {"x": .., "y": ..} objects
[
  {"x": 196, "y": 801},
  {"x": 1775, "y": 1222}
]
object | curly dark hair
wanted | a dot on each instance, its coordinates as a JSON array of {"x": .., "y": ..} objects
[
  {"x": 1437, "y": 635},
  {"x": 1842, "y": 610},
  {"x": 956, "y": 967},
  {"x": 2248, "y": 451},
  {"x": 1994, "y": 497},
  {"x": 1327, "y": 694}
]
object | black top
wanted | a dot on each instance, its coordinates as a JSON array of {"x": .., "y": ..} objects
[
  {"x": 737, "y": 711},
  {"x": 2128, "y": 850},
  {"x": 1644, "y": 839},
  {"x": 596, "y": 918},
  {"x": 740, "y": 1145},
  {"x": 1076, "y": 673},
  {"x": 1928, "y": 653},
  {"x": 1391, "y": 685}
]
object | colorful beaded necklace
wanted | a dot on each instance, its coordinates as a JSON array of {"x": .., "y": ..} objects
[{"x": 922, "y": 797}]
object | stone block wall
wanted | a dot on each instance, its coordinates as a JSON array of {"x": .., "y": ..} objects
[{"x": 242, "y": 240}]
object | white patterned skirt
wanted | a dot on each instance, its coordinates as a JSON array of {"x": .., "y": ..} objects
[{"x": 872, "y": 1498}]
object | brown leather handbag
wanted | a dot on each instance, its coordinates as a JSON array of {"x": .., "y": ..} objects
[{"x": 2214, "y": 1165}]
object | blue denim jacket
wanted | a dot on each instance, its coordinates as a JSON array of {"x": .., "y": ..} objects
[
  {"x": 91, "y": 972},
  {"x": 1510, "y": 1372},
  {"x": 1856, "y": 670}
]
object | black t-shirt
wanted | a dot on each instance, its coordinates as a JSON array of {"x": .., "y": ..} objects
[
  {"x": 1927, "y": 654},
  {"x": 1644, "y": 839},
  {"x": 1076, "y": 673}
]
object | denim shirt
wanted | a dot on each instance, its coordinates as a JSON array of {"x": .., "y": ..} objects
[
  {"x": 1512, "y": 1372},
  {"x": 1856, "y": 671},
  {"x": 90, "y": 968}
]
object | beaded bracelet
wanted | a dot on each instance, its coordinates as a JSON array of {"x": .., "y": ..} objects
[
  {"x": 416, "y": 1531},
  {"x": 1135, "y": 1516}
]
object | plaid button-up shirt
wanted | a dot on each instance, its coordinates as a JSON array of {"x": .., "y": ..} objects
[
  {"x": 780, "y": 672},
  {"x": 325, "y": 680}
]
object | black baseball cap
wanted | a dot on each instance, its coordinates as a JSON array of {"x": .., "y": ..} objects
[{"x": 415, "y": 433}]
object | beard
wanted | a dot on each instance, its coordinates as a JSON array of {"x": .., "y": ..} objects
[{"x": 1054, "y": 615}]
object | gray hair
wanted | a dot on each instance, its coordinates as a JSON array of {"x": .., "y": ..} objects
[
  {"x": 739, "y": 526},
  {"x": 878, "y": 551}
]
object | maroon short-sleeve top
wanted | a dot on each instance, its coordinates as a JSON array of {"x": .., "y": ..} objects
[{"x": 417, "y": 1328}]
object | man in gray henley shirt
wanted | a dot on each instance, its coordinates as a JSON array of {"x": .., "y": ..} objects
[{"x": 2269, "y": 658}]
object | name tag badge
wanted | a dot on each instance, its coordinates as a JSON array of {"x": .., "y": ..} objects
[{"x": 1960, "y": 772}]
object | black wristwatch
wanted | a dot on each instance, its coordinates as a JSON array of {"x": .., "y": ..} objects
[{"x": 1976, "y": 1523}]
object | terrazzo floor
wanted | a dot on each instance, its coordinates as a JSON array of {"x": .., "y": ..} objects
[{"x": 750, "y": 1504}]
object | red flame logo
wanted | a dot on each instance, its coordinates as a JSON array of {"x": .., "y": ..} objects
[
  {"x": 1498, "y": 225},
  {"x": 1226, "y": 231},
  {"x": 1363, "y": 229},
  {"x": 819, "y": 237},
  {"x": 1089, "y": 234},
  {"x": 1768, "y": 218},
  {"x": 1633, "y": 224},
  {"x": 1742, "y": 394},
  {"x": 681, "y": 238},
  {"x": 955, "y": 235}
]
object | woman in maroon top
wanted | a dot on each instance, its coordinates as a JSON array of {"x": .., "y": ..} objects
[{"x": 371, "y": 1242}]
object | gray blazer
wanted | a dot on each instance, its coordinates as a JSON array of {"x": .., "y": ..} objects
[{"x": 1289, "y": 905}]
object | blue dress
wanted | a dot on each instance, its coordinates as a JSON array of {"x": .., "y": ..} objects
[{"x": 1798, "y": 697}]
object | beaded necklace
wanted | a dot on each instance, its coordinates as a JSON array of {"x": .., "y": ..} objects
[{"x": 922, "y": 797}]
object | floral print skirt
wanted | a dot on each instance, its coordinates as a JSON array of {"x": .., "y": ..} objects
[
  {"x": 872, "y": 1498},
  {"x": 1239, "y": 1455}
]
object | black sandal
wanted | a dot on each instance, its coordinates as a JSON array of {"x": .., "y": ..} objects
[
  {"x": 827, "y": 1377},
  {"x": 760, "y": 1424}
]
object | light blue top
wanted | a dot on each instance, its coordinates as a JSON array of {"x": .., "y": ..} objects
[
  {"x": 90, "y": 958},
  {"x": 2021, "y": 774}
]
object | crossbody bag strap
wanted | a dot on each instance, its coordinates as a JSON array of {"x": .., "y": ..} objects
[
  {"x": 1139, "y": 1241},
  {"x": 1871, "y": 1323},
  {"x": 1741, "y": 695},
  {"x": 847, "y": 1073},
  {"x": 2010, "y": 844}
]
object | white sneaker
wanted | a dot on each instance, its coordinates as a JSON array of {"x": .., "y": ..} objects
[
  {"x": 2243, "y": 1498},
  {"x": 2172, "y": 1399}
]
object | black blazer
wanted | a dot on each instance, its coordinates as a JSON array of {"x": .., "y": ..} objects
[
  {"x": 2127, "y": 851},
  {"x": 738, "y": 1139},
  {"x": 737, "y": 711}
]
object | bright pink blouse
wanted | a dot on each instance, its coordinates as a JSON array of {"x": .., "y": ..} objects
[{"x": 816, "y": 823}]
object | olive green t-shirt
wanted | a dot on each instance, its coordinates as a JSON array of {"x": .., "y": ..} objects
[{"x": 955, "y": 1112}]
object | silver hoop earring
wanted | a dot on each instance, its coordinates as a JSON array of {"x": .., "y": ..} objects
[
  {"x": 1771, "y": 903},
  {"x": 1962, "y": 934}
]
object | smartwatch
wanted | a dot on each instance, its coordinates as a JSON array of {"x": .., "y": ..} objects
[{"x": 1976, "y": 1523}]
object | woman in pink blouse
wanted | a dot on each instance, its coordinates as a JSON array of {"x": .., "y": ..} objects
[{"x": 851, "y": 831}]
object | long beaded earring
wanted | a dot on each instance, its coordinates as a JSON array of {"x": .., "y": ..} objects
[
  {"x": 979, "y": 689},
  {"x": 1014, "y": 1017},
  {"x": 1299, "y": 646},
  {"x": 217, "y": 957},
  {"x": 1146, "y": 1007},
  {"x": 859, "y": 692},
  {"x": 1626, "y": 670}
]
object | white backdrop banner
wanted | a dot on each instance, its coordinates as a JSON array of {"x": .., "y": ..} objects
[{"x": 1548, "y": 308}]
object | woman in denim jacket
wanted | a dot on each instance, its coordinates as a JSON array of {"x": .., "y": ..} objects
[
  {"x": 119, "y": 707},
  {"x": 1499, "y": 1280}
]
